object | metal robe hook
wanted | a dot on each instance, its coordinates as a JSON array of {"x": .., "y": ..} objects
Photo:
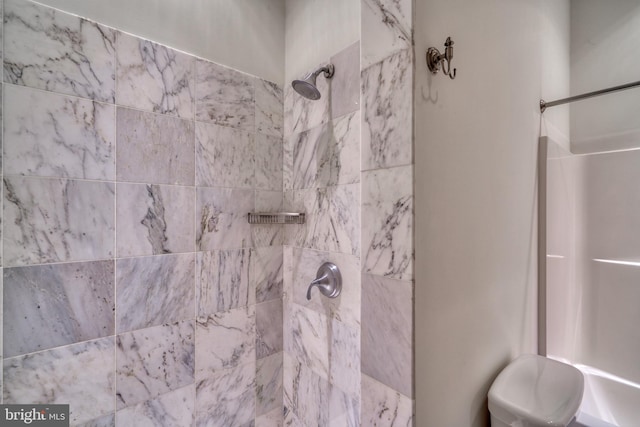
[{"x": 435, "y": 59}]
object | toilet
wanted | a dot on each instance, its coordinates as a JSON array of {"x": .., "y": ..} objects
[{"x": 533, "y": 391}]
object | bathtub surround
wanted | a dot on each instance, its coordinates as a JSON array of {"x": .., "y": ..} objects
[
  {"x": 321, "y": 178},
  {"x": 134, "y": 289},
  {"x": 387, "y": 212}
]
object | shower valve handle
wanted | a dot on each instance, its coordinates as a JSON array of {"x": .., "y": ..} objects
[{"x": 328, "y": 280}]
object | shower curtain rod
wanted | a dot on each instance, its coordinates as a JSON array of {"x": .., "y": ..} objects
[{"x": 544, "y": 105}]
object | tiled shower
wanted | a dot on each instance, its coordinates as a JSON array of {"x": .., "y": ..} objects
[{"x": 134, "y": 287}]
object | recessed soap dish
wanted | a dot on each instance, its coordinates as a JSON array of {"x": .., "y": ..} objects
[{"x": 275, "y": 218}]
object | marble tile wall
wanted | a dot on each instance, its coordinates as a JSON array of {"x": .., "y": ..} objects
[
  {"x": 322, "y": 178},
  {"x": 387, "y": 66},
  {"x": 133, "y": 287}
]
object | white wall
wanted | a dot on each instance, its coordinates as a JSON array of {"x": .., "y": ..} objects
[
  {"x": 247, "y": 35},
  {"x": 605, "y": 37},
  {"x": 316, "y": 30},
  {"x": 476, "y": 148}
]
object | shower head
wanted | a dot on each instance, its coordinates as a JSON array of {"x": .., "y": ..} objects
[{"x": 307, "y": 86}]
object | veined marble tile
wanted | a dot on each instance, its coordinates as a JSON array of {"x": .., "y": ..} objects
[
  {"x": 81, "y": 374},
  {"x": 268, "y": 162},
  {"x": 269, "y": 108},
  {"x": 236, "y": 330},
  {"x": 266, "y": 273},
  {"x": 154, "y": 219},
  {"x": 307, "y": 338},
  {"x": 48, "y": 306},
  {"x": 154, "y": 78},
  {"x": 269, "y": 385},
  {"x": 327, "y": 155},
  {"x": 268, "y": 328},
  {"x": 272, "y": 418},
  {"x": 51, "y": 220},
  {"x": 66, "y": 54},
  {"x": 387, "y": 222},
  {"x": 225, "y": 157},
  {"x": 387, "y": 27},
  {"x": 332, "y": 219},
  {"x": 154, "y": 148},
  {"x": 314, "y": 401},
  {"x": 151, "y": 362},
  {"x": 269, "y": 235},
  {"x": 387, "y": 322},
  {"x": 222, "y": 281},
  {"x": 387, "y": 112},
  {"x": 227, "y": 398},
  {"x": 344, "y": 358},
  {"x": 345, "y": 84},
  {"x": 47, "y": 134},
  {"x": 300, "y": 269},
  {"x": 173, "y": 409},
  {"x": 108, "y": 420},
  {"x": 224, "y": 96},
  {"x": 222, "y": 216},
  {"x": 382, "y": 406},
  {"x": 302, "y": 114},
  {"x": 154, "y": 290}
]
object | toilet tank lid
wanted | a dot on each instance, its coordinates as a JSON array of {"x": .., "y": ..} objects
[{"x": 542, "y": 391}]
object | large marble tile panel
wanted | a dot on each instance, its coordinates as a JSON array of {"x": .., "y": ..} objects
[
  {"x": 344, "y": 358},
  {"x": 222, "y": 216},
  {"x": 387, "y": 112},
  {"x": 307, "y": 338},
  {"x": 65, "y": 53},
  {"x": 151, "y": 362},
  {"x": 269, "y": 108},
  {"x": 224, "y": 96},
  {"x": 269, "y": 384},
  {"x": 154, "y": 290},
  {"x": 173, "y": 409},
  {"x": 332, "y": 219},
  {"x": 81, "y": 374},
  {"x": 236, "y": 330},
  {"x": 47, "y": 306},
  {"x": 314, "y": 401},
  {"x": 273, "y": 418},
  {"x": 383, "y": 406},
  {"x": 345, "y": 84},
  {"x": 154, "y": 219},
  {"x": 227, "y": 398},
  {"x": 268, "y": 164},
  {"x": 327, "y": 155},
  {"x": 387, "y": 27},
  {"x": 108, "y": 420},
  {"x": 387, "y": 332},
  {"x": 51, "y": 220},
  {"x": 223, "y": 281},
  {"x": 387, "y": 222},
  {"x": 153, "y": 77},
  {"x": 300, "y": 269},
  {"x": 266, "y": 273},
  {"x": 302, "y": 114},
  {"x": 268, "y": 328},
  {"x": 270, "y": 235},
  {"x": 225, "y": 157},
  {"x": 47, "y": 134},
  {"x": 154, "y": 148}
]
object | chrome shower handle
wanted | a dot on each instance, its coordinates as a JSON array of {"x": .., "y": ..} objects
[{"x": 328, "y": 280}]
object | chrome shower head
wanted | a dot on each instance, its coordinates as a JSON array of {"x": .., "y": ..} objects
[{"x": 307, "y": 86}]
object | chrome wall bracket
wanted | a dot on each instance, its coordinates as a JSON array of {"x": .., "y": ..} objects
[{"x": 436, "y": 60}]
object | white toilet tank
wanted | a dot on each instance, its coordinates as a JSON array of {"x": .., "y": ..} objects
[{"x": 533, "y": 391}]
